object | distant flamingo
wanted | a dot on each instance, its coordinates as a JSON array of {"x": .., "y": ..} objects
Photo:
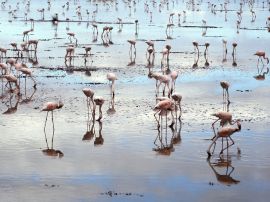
[
  {"x": 132, "y": 44},
  {"x": 136, "y": 27},
  {"x": 112, "y": 77},
  {"x": 99, "y": 101},
  {"x": 174, "y": 76},
  {"x": 224, "y": 117},
  {"x": 164, "y": 79},
  {"x": 177, "y": 97},
  {"x": 195, "y": 44},
  {"x": 206, "y": 48},
  {"x": 89, "y": 93},
  {"x": 50, "y": 107},
  {"x": 27, "y": 72},
  {"x": 234, "y": 49},
  {"x": 72, "y": 35},
  {"x": 162, "y": 109},
  {"x": 261, "y": 54},
  {"x": 12, "y": 79},
  {"x": 225, "y": 132},
  {"x": 225, "y": 86}
]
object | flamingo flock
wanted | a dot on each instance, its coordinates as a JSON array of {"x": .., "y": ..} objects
[{"x": 168, "y": 105}]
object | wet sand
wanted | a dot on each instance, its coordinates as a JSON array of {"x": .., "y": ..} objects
[{"x": 126, "y": 166}]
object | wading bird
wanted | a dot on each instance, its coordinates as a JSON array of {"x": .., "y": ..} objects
[
  {"x": 162, "y": 109},
  {"x": 225, "y": 132},
  {"x": 225, "y": 86},
  {"x": 99, "y": 101},
  {"x": 89, "y": 93},
  {"x": 261, "y": 54},
  {"x": 50, "y": 107},
  {"x": 112, "y": 77}
]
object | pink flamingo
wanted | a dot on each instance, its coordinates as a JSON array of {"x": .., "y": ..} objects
[
  {"x": 99, "y": 101},
  {"x": 112, "y": 77},
  {"x": 164, "y": 79},
  {"x": 50, "y": 107},
  {"x": 225, "y": 86},
  {"x": 162, "y": 109},
  {"x": 261, "y": 54},
  {"x": 174, "y": 76},
  {"x": 225, "y": 132},
  {"x": 89, "y": 93}
]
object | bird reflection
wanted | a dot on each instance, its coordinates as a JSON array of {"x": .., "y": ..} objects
[
  {"x": 99, "y": 139},
  {"x": 163, "y": 146},
  {"x": 196, "y": 54},
  {"x": 28, "y": 99},
  {"x": 224, "y": 164},
  {"x": 261, "y": 75},
  {"x": 225, "y": 50},
  {"x": 132, "y": 54},
  {"x": 176, "y": 131},
  {"x": 90, "y": 132},
  {"x": 169, "y": 31},
  {"x": 12, "y": 108},
  {"x": 111, "y": 109},
  {"x": 50, "y": 107},
  {"x": 206, "y": 55},
  {"x": 165, "y": 141},
  {"x": 95, "y": 33}
]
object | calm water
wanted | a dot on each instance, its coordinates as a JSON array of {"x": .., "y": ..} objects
[{"x": 127, "y": 166}]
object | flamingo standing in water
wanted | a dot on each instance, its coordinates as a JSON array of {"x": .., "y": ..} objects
[
  {"x": 89, "y": 93},
  {"x": 50, "y": 107},
  {"x": 165, "y": 79},
  {"x": 132, "y": 44},
  {"x": 261, "y": 54},
  {"x": 234, "y": 49},
  {"x": 174, "y": 76},
  {"x": 225, "y": 132},
  {"x": 162, "y": 109},
  {"x": 224, "y": 117},
  {"x": 177, "y": 97},
  {"x": 112, "y": 77},
  {"x": 99, "y": 101},
  {"x": 225, "y": 86}
]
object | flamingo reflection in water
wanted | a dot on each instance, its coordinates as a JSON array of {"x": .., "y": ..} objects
[
  {"x": 12, "y": 108},
  {"x": 222, "y": 163},
  {"x": 50, "y": 107},
  {"x": 165, "y": 142},
  {"x": 90, "y": 132},
  {"x": 132, "y": 54},
  {"x": 260, "y": 70},
  {"x": 99, "y": 140}
]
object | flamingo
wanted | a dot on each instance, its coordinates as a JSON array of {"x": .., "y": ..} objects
[
  {"x": 234, "y": 49},
  {"x": 195, "y": 44},
  {"x": 50, "y": 107},
  {"x": 89, "y": 93},
  {"x": 174, "y": 76},
  {"x": 112, "y": 77},
  {"x": 27, "y": 72},
  {"x": 162, "y": 107},
  {"x": 99, "y": 101},
  {"x": 261, "y": 54},
  {"x": 177, "y": 97},
  {"x": 33, "y": 43},
  {"x": 132, "y": 44},
  {"x": 225, "y": 86},
  {"x": 166, "y": 80},
  {"x": 225, "y": 132},
  {"x": 224, "y": 117}
]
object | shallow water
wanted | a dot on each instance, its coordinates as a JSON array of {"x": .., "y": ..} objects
[{"x": 127, "y": 166}]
